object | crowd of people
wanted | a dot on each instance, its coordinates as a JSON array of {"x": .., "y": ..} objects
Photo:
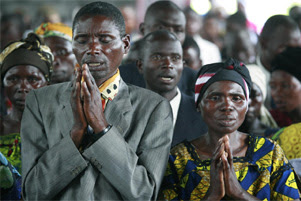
[{"x": 191, "y": 108}]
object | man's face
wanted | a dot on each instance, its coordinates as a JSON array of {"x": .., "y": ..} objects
[
  {"x": 97, "y": 42},
  {"x": 170, "y": 19},
  {"x": 64, "y": 59},
  {"x": 279, "y": 40},
  {"x": 162, "y": 65}
]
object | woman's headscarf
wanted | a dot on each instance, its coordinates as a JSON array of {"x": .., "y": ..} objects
[
  {"x": 289, "y": 61},
  {"x": 29, "y": 51},
  {"x": 231, "y": 70},
  {"x": 54, "y": 29}
]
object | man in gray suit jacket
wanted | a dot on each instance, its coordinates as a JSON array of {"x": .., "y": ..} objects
[{"x": 95, "y": 138}]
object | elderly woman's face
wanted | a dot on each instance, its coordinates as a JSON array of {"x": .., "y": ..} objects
[
  {"x": 285, "y": 90},
  {"x": 223, "y": 106},
  {"x": 19, "y": 81}
]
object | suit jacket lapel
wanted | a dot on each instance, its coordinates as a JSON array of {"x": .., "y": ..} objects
[{"x": 66, "y": 117}]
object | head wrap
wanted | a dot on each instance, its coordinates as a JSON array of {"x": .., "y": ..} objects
[
  {"x": 289, "y": 61},
  {"x": 54, "y": 29},
  {"x": 29, "y": 51},
  {"x": 231, "y": 70}
]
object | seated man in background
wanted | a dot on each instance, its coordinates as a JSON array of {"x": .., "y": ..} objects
[
  {"x": 161, "y": 64},
  {"x": 58, "y": 37},
  {"x": 95, "y": 138}
]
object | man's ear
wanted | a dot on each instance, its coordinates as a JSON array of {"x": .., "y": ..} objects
[
  {"x": 139, "y": 64},
  {"x": 142, "y": 27},
  {"x": 126, "y": 43}
]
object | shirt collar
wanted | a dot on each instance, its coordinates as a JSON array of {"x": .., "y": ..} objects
[
  {"x": 175, "y": 104},
  {"x": 109, "y": 88}
]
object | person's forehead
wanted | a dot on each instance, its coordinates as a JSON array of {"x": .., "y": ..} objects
[
  {"x": 170, "y": 17},
  {"x": 96, "y": 23},
  {"x": 22, "y": 69},
  {"x": 283, "y": 34},
  {"x": 56, "y": 41},
  {"x": 226, "y": 85},
  {"x": 164, "y": 47},
  {"x": 281, "y": 76}
]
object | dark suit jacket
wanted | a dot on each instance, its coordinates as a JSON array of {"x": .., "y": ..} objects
[
  {"x": 189, "y": 124},
  {"x": 131, "y": 75},
  {"x": 127, "y": 163}
]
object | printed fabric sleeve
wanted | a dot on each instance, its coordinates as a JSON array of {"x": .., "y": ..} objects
[
  {"x": 168, "y": 190},
  {"x": 283, "y": 178}
]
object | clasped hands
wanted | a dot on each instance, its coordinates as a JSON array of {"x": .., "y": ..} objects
[
  {"x": 86, "y": 105},
  {"x": 223, "y": 180}
]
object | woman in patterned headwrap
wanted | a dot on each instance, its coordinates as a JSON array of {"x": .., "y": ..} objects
[
  {"x": 225, "y": 163},
  {"x": 24, "y": 65}
]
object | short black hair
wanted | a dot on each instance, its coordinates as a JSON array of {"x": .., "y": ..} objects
[
  {"x": 190, "y": 42},
  {"x": 161, "y": 34},
  {"x": 160, "y": 5},
  {"x": 101, "y": 8},
  {"x": 276, "y": 21}
]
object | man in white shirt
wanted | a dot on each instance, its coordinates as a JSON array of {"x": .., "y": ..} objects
[{"x": 161, "y": 63}]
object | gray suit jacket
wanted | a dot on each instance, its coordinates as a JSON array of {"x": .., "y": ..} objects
[{"x": 127, "y": 163}]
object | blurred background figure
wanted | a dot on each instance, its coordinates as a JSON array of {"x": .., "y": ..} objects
[
  {"x": 25, "y": 65},
  {"x": 210, "y": 52},
  {"x": 285, "y": 86},
  {"x": 134, "y": 53},
  {"x": 48, "y": 13},
  {"x": 238, "y": 45},
  {"x": 239, "y": 22},
  {"x": 258, "y": 120},
  {"x": 278, "y": 33},
  {"x": 10, "y": 180},
  {"x": 12, "y": 28},
  {"x": 295, "y": 14},
  {"x": 131, "y": 23},
  {"x": 211, "y": 29},
  {"x": 191, "y": 54},
  {"x": 58, "y": 37}
]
